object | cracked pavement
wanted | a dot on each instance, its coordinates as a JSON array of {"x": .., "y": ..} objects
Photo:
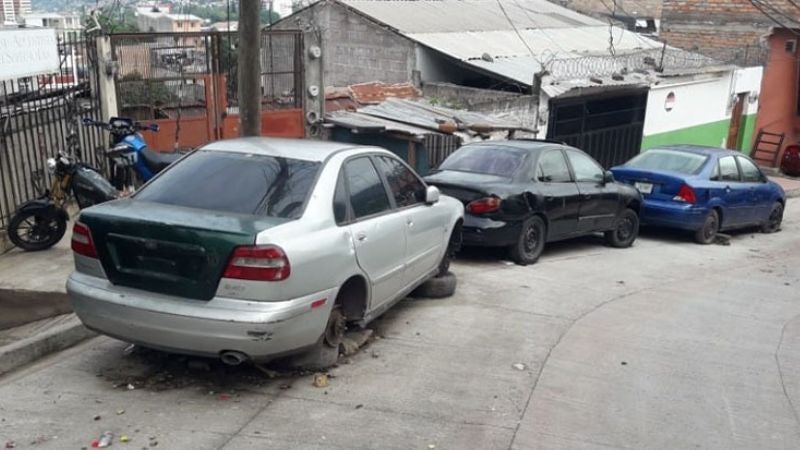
[{"x": 665, "y": 345}]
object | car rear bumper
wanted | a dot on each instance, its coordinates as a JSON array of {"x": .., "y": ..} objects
[
  {"x": 480, "y": 231},
  {"x": 672, "y": 214},
  {"x": 261, "y": 330}
]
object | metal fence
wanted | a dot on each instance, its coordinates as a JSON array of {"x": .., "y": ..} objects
[
  {"x": 163, "y": 75},
  {"x": 36, "y": 115}
]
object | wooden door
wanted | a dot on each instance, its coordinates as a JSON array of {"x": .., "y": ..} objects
[{"x": 736, "y": 123}]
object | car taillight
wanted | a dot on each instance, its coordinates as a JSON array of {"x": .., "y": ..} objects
[
  {"x": 484, "y": 205},
  {"x": 258, "y": 263},
  {"x": 82, "y": 242},
  {"x": 685, "y": 194}
]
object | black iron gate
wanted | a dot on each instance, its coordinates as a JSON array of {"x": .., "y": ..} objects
[
  {"x": 607, "y": 127},
  {"x": 36, "y": 114}
]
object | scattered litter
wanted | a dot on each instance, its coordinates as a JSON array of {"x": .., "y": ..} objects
[
  {"x": 507, "y": 263},
  {"x": 11, "y": 444},
  {"x": 120, "y": 412},
  {"x": 129, "y": 349},
  {"x": 620, "y": 282},
  {"x": 787, "y": 284},
  {"x": 285, "y": 386},
  {"x": 624, "y": 363},
  {"x": 124, "y": 438},
  {"x": 131, "y": 387},
  {"x": 359, "y": 406},
  {"x": 321, "y": 380},
  {"x": 418, "y": 333},
  {"x": 105, "y": 440},
  {"x": 431, "y": 446},
  {"x": 153, "y": 441},
  {"x": 96, "y": 417},
  {"x": 375, "y": 354},
  {"x": 223, "y": 397},
  {"x": 518, "y": 366}
]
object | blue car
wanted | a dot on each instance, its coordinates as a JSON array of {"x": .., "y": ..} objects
[{"x": 704, "y": 190}]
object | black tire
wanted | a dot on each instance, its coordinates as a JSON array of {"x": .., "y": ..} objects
[
  {"x": 773, "y": 223},
  {"x": 31, "y": 231},
  {"x": 530, "y": 243},
  {"x": 453, "y": 246},
  {"x": 708, "y": 232},
  {"x": 437, "y": 287},
  {"x": 325, "y": 353},
  {"x": 626, "y": 230}
]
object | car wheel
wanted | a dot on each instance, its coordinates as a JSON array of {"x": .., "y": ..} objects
[
  {"x": 774, "y": 220},
  {"x": 530, "y": 244},
  {"x": 325, "y": 352},
  {"x": 625, "y": 231},
  {"x": 441, "y": 286},
  {"x": 708, "y": 232},
  {"x": 453, "y": 245}
]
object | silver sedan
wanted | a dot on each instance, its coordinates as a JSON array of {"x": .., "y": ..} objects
[{"x": 255, "y": 248}]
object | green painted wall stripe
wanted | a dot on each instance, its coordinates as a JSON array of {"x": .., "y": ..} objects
[
  {"x": 707, "y": 134},
  {"x": 712, "y": 134}
]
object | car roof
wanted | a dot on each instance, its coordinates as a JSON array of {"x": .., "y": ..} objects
[
  {"x": 698, "y": 149},
  {"x": 522, "y": 144},
  {"x": 305, "y": 149}
]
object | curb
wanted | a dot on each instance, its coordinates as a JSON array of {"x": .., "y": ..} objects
[
  {"x": 793, "y": 193},
  {"x": 17, "y": 354}
]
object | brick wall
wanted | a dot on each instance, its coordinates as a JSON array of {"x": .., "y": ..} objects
[
  {"x": 633, "y": 8},
  {"x": 729, "y": 30},
  {"x": 355, "y": 49}
]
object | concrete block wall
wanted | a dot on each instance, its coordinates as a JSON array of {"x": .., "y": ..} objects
[{"x": 355, "y": 49}]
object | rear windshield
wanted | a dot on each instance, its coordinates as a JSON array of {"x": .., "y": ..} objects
[
  {"x": 670, "y": 160},
  {"x": 488, "y": 159},
  {"x": 239, "y": 183}
]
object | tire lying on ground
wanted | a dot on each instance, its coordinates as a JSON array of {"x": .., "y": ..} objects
[{"x": 437, "y": 287}]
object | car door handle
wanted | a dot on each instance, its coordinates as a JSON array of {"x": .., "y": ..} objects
[
  {"x": 727, "y": 188},
  {"x": 361, "y": 236}
]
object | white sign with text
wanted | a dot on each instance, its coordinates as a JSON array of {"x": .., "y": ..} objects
[{"x": 27, "y": 52}]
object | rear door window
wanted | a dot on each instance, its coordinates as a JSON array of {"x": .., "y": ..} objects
[
  {"x": 750, "y": 172},
  {"x": 367, "y": 194},
  {"x": 240, "y": 183},
  {"x": 406, "y": 188},
  {"x": 728, "y": 170},
  {"x": 553, "y": 168},
  {"x": 340, "y": 206}
]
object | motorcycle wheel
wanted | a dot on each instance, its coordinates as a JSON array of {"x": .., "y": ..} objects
[{"x": 31, "y": 231}]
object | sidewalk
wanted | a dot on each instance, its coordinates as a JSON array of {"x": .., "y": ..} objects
[
  {"x": 790, "y": 185},
  {"x": 35, "y": 315}
]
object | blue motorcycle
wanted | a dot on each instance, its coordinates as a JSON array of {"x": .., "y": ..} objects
[{"x": 132, "y": 162}]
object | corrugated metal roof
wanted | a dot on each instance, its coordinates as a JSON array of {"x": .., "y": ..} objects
[
  {"x": 425, "y": 16},
  {"x": 417, "y": 119}
]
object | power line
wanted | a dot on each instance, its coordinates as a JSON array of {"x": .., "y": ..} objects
[
  {"x": 539, "y": 27},
  {"x": 756, "y": 4},
  {"x": 519, "y": 35}
]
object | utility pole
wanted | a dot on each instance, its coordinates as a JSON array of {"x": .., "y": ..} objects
[{"x": 250, "y": 67}]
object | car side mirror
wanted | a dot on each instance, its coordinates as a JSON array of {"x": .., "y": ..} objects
[
  {"x": 432, "y": 195},
  {"x": 608, "y": 177}
]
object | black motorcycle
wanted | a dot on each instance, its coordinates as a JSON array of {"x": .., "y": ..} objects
[{"x": 39, "y": 224}]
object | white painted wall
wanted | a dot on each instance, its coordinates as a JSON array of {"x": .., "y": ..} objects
[
  {"x": 697, "y": 102},
  {"x": 748, "y": 80}
]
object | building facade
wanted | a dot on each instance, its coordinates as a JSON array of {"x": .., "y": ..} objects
[{"x": 11, "y": 10}]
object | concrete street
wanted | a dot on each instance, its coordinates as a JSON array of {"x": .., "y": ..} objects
[{"x": 666, "y": 345}]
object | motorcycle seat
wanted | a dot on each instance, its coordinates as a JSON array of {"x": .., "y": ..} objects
[{"x": 158, "y": 161}]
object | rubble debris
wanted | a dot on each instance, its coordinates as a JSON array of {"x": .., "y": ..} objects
[
  {"x": 199, "y": 365},
  {"x": 321, "y": 380},
  {"x": 353, "y": 340},
  {"x": 624, "y": 363},
  {"x": 359, "y": 406},
  {"x": 96, "y": 417},
  {"x": 131, "y": 387},
  {"x": 518, "y": 366},
  {"x": 120, "y": 412},
  {"x": 722, "y": 239},
  {"x": 224, "y": 397},
  {"x": 129, "y": 349}
]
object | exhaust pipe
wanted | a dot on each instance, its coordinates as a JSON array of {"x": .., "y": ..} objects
[{"x": 232, "y": 358}]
